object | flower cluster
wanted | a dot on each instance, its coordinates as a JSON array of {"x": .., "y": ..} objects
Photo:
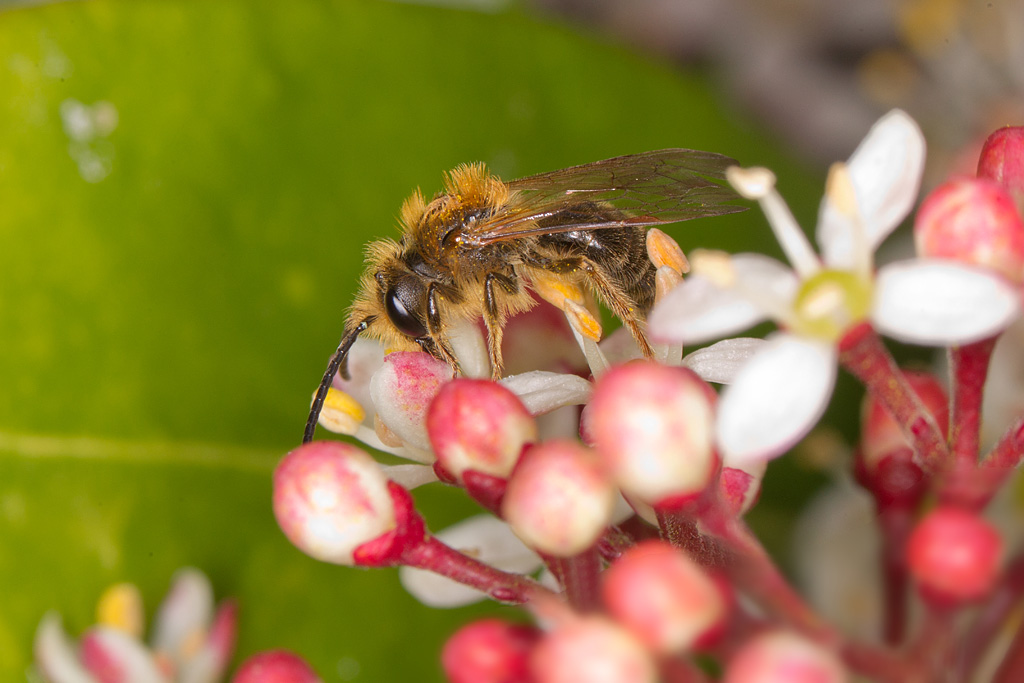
[
  {"x": 615, "y": 498},
  {"x": 192, "y": 641}
]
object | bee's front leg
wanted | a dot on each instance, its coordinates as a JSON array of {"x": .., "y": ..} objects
[
  {"x": 435, "y": 329},
  {"x": 494, "y": 319}
]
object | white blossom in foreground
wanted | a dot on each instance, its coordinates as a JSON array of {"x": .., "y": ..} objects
[{"x": 781, "y": 392}]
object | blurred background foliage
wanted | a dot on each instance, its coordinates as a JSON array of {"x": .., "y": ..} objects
[{"x": 185, "y": 190}]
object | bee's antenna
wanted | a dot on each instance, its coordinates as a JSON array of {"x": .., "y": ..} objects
[{"x": 339, "y": 357}]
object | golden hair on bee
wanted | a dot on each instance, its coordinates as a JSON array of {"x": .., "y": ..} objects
[{"x": 483, "y": 249}]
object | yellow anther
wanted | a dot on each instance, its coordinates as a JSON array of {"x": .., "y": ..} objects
[
  {"x": 751, "y": 183},
  {"x": 664, "y": 251},
  {"x": 341, "y": 413},
  {"x": 839, "y": 189},
  {"x": 716, "y": 266},
  {"x": 582, "y": 320},
  {"x": 120, "y": 607}
]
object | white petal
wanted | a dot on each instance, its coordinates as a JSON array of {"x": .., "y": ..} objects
[
  {"x": 699, "y": 310},
  {"x": 185, "y": 611},
  {"x": 410, "y": 476},
  {"x": 941, "y": 303},
  {"x": 485, "y": 538},
  {"x": 468, "y": 345},
  {"x": 364, "y": 358},
  {"x": 886, "y": 174},
  {"x": 721, "y": 361},
  {"x": 55, "y": 654},
  {"x": 620, "y": 347},
  {"x": 541, "y": 391},
  {"x": 775, "y": 399}
]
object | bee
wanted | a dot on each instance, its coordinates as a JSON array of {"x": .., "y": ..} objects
[{"x": 483, "y": 247}]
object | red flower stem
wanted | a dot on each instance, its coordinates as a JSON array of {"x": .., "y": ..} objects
[
  {"x": 968, "y": 368},
  {"x": 435, "y": 556},
  {"x": 680, "y": 529},
  {"x": 974, "y": 489},
  {"x": 1012, "y": 668},
  {"x": 738, "y": 552},
  {"x": 864, "y": 355},
  {"x": 581, "y": 578},
  {"x": 895, "y": 524},
  {"x": 991, "y": 618},
  {"x": 931, "y": 651}
]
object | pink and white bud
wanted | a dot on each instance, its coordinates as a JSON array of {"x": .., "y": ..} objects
[
  {"x": 1002, "y": 160},
  {"x": 592, "y": 649},
  {"x": 478, "y": 425},
  {"x": 740, "y": 486},
  {"x": 653, "y": 427},
  {"x": 275, "y": 666},
  {"x": 783, "y": 657},
  {"x": 402, "y": 391},
  {"x": 974, "y": 221},
  {"x": 489, "y": 651},
  {"x": 330, "y": 498},
  {"x": 559, "y": 498},
  {"x": 954, "y": 555},
  {"x": 662, "y": 597}
]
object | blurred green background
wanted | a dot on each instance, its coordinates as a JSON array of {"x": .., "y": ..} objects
[{"x": 185, "y": 190}]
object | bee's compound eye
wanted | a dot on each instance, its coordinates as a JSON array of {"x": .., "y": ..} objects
[{"x": 397, "y": 304}]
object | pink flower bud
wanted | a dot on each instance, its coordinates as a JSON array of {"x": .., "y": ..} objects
[
  {"x": 592, "y": 649},
  {"x": 974, "y": 221},
  {"x": 954, "y": 555},
  {"x": 662, "y": 596},
  {"x": 783, "y": 657},
  {"x": 881, "y": 435},
  {"x": 559, "y": 499},
  {"x": 478, "y": 425},
  {"x": 652, "y": 426},
  {"x": 402, "y": 391},
  {"x": 1002, "y": 159},
  {"x": 885, "y": 461},
  {"x": 330, "y": 498},
  {"x": 275, "y": 666},
  {"x": 489, "y": 651}
]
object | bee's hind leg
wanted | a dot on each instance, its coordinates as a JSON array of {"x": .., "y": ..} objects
[
  {"x": 493, "y": 318},
  {"x": 553, "y": 289}
]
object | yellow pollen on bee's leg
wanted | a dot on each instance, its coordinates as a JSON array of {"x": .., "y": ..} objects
[
  {"x": 341, "y": 413},
  {"x": 665, "y": 252},
  {"x": 120, "y": 607},
  {"x": 556, "y": 291}
]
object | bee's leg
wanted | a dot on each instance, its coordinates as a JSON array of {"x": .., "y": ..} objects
[
  {"x": 434, "y": 328},
  {"x": 612, "y": 294},
  {"x": 493, "y": 319}
]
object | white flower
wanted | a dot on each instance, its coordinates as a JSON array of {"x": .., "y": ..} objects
[
  {"x": 778, "y": 396},
  {"x": 192, "y": 640}
]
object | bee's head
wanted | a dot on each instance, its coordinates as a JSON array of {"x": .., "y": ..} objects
[{"x": 403, "y": 297}]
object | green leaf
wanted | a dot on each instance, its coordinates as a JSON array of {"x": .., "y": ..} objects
[{"x": 185, "y": 190}]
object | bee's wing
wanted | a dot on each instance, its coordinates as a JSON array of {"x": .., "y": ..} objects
[{"x": 646, "y": 189}]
